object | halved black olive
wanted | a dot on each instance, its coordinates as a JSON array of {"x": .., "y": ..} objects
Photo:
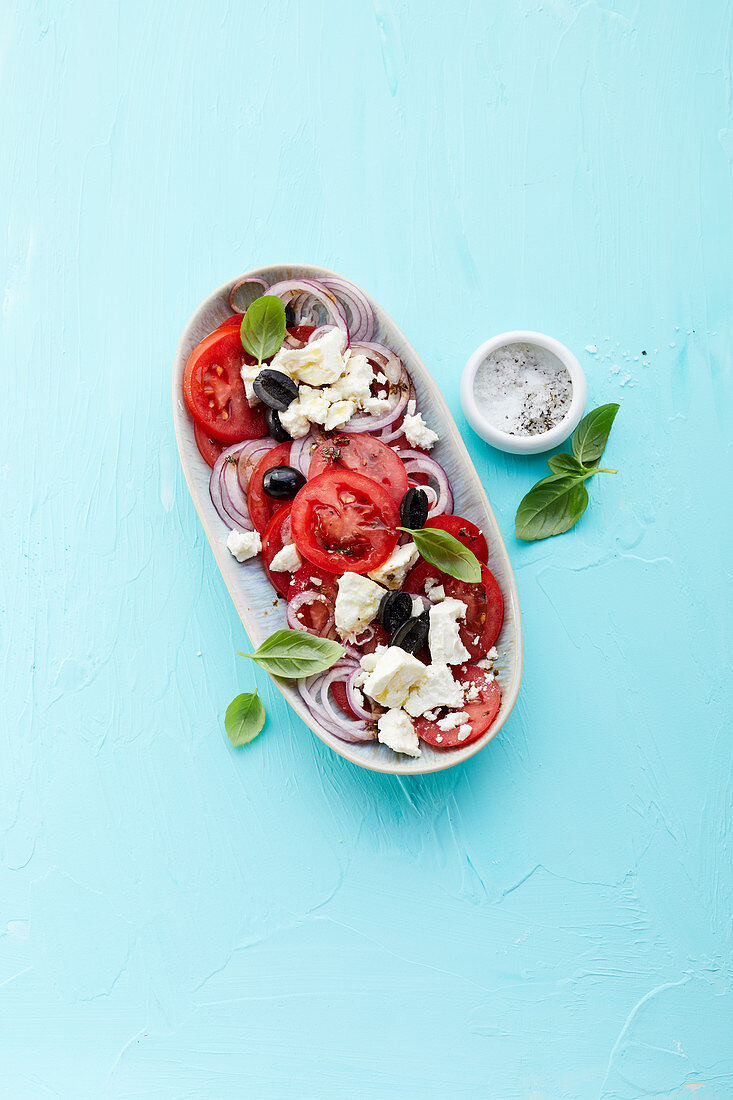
[
  {"x": 275, "y": 389},
  {"x": 274, "y": 427},
  {"x": 414, "y": 509},
  {"x": 395, "y": 608},
  {"x": 412, "y": 636},
  {"x": 282, "y": 482}
]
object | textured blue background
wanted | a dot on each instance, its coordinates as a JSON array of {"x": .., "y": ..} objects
[{"x": 181, "y": 920}]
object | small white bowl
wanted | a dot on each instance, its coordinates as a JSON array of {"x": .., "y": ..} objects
[{"x": 524, "y": 444}]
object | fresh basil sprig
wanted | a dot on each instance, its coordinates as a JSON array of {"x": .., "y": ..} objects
[
  {"x": 244, "y": 718},
  {"x": 263, "y": 327},
  {"x": 294, "y": 653},
  {"x": 556, "y": 503},
  {"x": 445, "y": 551}
]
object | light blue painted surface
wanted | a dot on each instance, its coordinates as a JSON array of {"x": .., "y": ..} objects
[{"x": 178, "y": 920}]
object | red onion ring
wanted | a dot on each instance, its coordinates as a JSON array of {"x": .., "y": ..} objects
[
  {"x": 230, "y": 505},
  {"x": 249, "y": 455},
  {"x": 356, "y": 697},
  {"x": 289, "y": 289},
  {"x": 248, "y": 280},
  {"x": 368, "y": 422},
  {"x": 385, "y": 359},
  {"x": 355, "y": 303},
  {"x": 346, "y": 729},
  {"x": 301, "y": 453},
  {"x": 418, "y": 463},
  {"x": 308, "y": 597}
]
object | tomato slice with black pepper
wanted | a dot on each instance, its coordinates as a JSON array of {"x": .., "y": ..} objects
[
  {"x": 312, "y": 599},
  {"x": 481, "y": 711},
  {"x": 276, "y": 536},
  {"x": 465, "y": 531},
  {"x": 484, "y": 604},
  {"x": 261, "y": 507},
  {"x": 344, "y": 522},
  {"x": 364, "y": 455},
  {"x": 214, "y": 391}
]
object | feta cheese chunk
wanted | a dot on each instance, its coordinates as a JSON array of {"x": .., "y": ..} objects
[
  {"x": 436, "y": 593},
  {"x": 317, "y": 364},
  {"x": 338, "y": 413},
  {"x": 393, "y": 571},
  {"x": 417, "y": 432},
  {"x": 286, "y": 560},
  {"x": 244, "y": 544},
  {"x": 444, "y": 639},
  {"x": 417, "y": 607},
  {"x": 395, "y": 729},
  {"x": 356, "y": 603},
  {"x": 438, "y": 688},
  {"x": 395, "y": 672},
  {"x": 452, "y": 720}
]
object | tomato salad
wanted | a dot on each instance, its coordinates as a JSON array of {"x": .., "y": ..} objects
[{"x": 319, "y": 464}]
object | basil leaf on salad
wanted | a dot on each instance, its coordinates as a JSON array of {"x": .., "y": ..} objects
[
  {"x": 244, "y": 718},
  {"x": 446, "y": 552},
  {"x": 293, "y": 653},
  {"x": 591, "y": 435},
  {"x": 263, "y": 327},
  {"x": 551, "y": 507}
]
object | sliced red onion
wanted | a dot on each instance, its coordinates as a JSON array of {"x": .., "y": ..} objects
[
  {"x": 356, "y": 696},
  {"x": 359, "y": 311},
  {"x": 289, "y": 289},
  {"x": 231, "y": 508},
  {"x": 366, "y": 422},
  {"x": 418, "y": 463},
  {"x": 301, "y": 453},
  {"x": 248, "y": 280},
  {"x": 249, "y": 455},
  {"x": 301, "y": 600},
  {"x": 341, "y": 726},
  {"x": 383, "y": 357}
]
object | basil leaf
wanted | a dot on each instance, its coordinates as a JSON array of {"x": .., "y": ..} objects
[
  {"x": 244, "y": 718},
  {"x": 566, "y": 464},
  {"x": 293, "y": 653},
  {"x": 263, "y": 327},
  {"x": 591, "y": 435},
  {"x": 443, "y": 550},
  {"x": 550, "y": 507}
]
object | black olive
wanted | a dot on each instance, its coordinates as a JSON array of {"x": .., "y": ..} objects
[
  {"x": 274, "y": 427},
  {"x": 395, "y": 609},
  {"x": 412, "y": 636},
  {"x": 289, "y": 316},
  {"x": 282, "y": 482},
  {"x": 275, "y": 389},
  {"x": 414, "y": 509}
]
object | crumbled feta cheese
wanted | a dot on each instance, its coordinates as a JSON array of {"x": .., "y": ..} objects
[
  {"x": 472, "y": 693},
  {"x": 244, "y": 544},
  {"x": 316, "y": 581},
  {"x": 338, "y": 413},
  {"x": 317, "y": 364},
  {"x": 395, "y": 729},
  {"x": 355, "y": 383},
  {"x": 411, "y": 407},
  {"x": 417, "y": 432},
  {"x": 294, "y": 420},
  {"x": 417, "y": 608},
  {"x": 375, "y": 406},
  {"x": 287, "y": 560},
  {"x": 393, "y": 571},
  {"x": 492, "y": 654},
  {"x": 444, "y": 638},
  {"x": 431, "y": 715},
  {"x": 395, "y": 672},
  {"x": 438, "y": 688},
  {"x": 436, "y": 593},
  {"x": 452, "y": 719},
  {"x": 369, "y": 660},
  {"x": 464, "y": 732},
  {"x": 356, "y": 603}
]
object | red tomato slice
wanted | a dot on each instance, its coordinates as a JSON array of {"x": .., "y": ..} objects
[
  {"x": 465, "y": 531},
  {"x": 484, "y": 604},
  {"x": 341, "y": 699},
  {"x": 481, "y": 712},
  {"x": 261, "y": 507},
  {"x": 316, "y": 616},
  {"x": 364, "y": 455},
  {"x": 214, "y": 391},
  {"x": 344, "y": 522},
  {"x": 302, "y": 332},
  {"x": 276, "y": 536},
  {"x": 209, "y": 448}
]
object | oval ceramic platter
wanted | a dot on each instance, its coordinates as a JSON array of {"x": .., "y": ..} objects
[{"x": 248, "y": 585}]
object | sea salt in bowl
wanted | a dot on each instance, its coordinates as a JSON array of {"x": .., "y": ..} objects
[{"x": 523, "y": 392}]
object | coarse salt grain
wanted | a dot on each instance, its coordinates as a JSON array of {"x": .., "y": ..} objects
[{"x": 523, "y": 389}]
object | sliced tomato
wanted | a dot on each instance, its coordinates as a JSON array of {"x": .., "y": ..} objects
[
  {"x": 317, "y": 615},
  {"x": 465, "y": 531},
  {"x": 484, "y": 604},
  {"x": 302, "y": 332},
  {"x": 276, "y": 536},
  {"x": 214, "y": 391},
  {"x": 481, "y": 712},
  {"x": 341, "y": 699},
  {"x": 344, "y": 522},
  {"x": 369, "y": 639},
  {"x": 364, "y": 454},
  {"x": 233, "y": 322},
  {"x": 209, "y": 448},
  {"x": 261, "y": 507}
]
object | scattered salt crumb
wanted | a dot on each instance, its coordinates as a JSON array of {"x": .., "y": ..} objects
[{"x": 591, "y": 349}]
